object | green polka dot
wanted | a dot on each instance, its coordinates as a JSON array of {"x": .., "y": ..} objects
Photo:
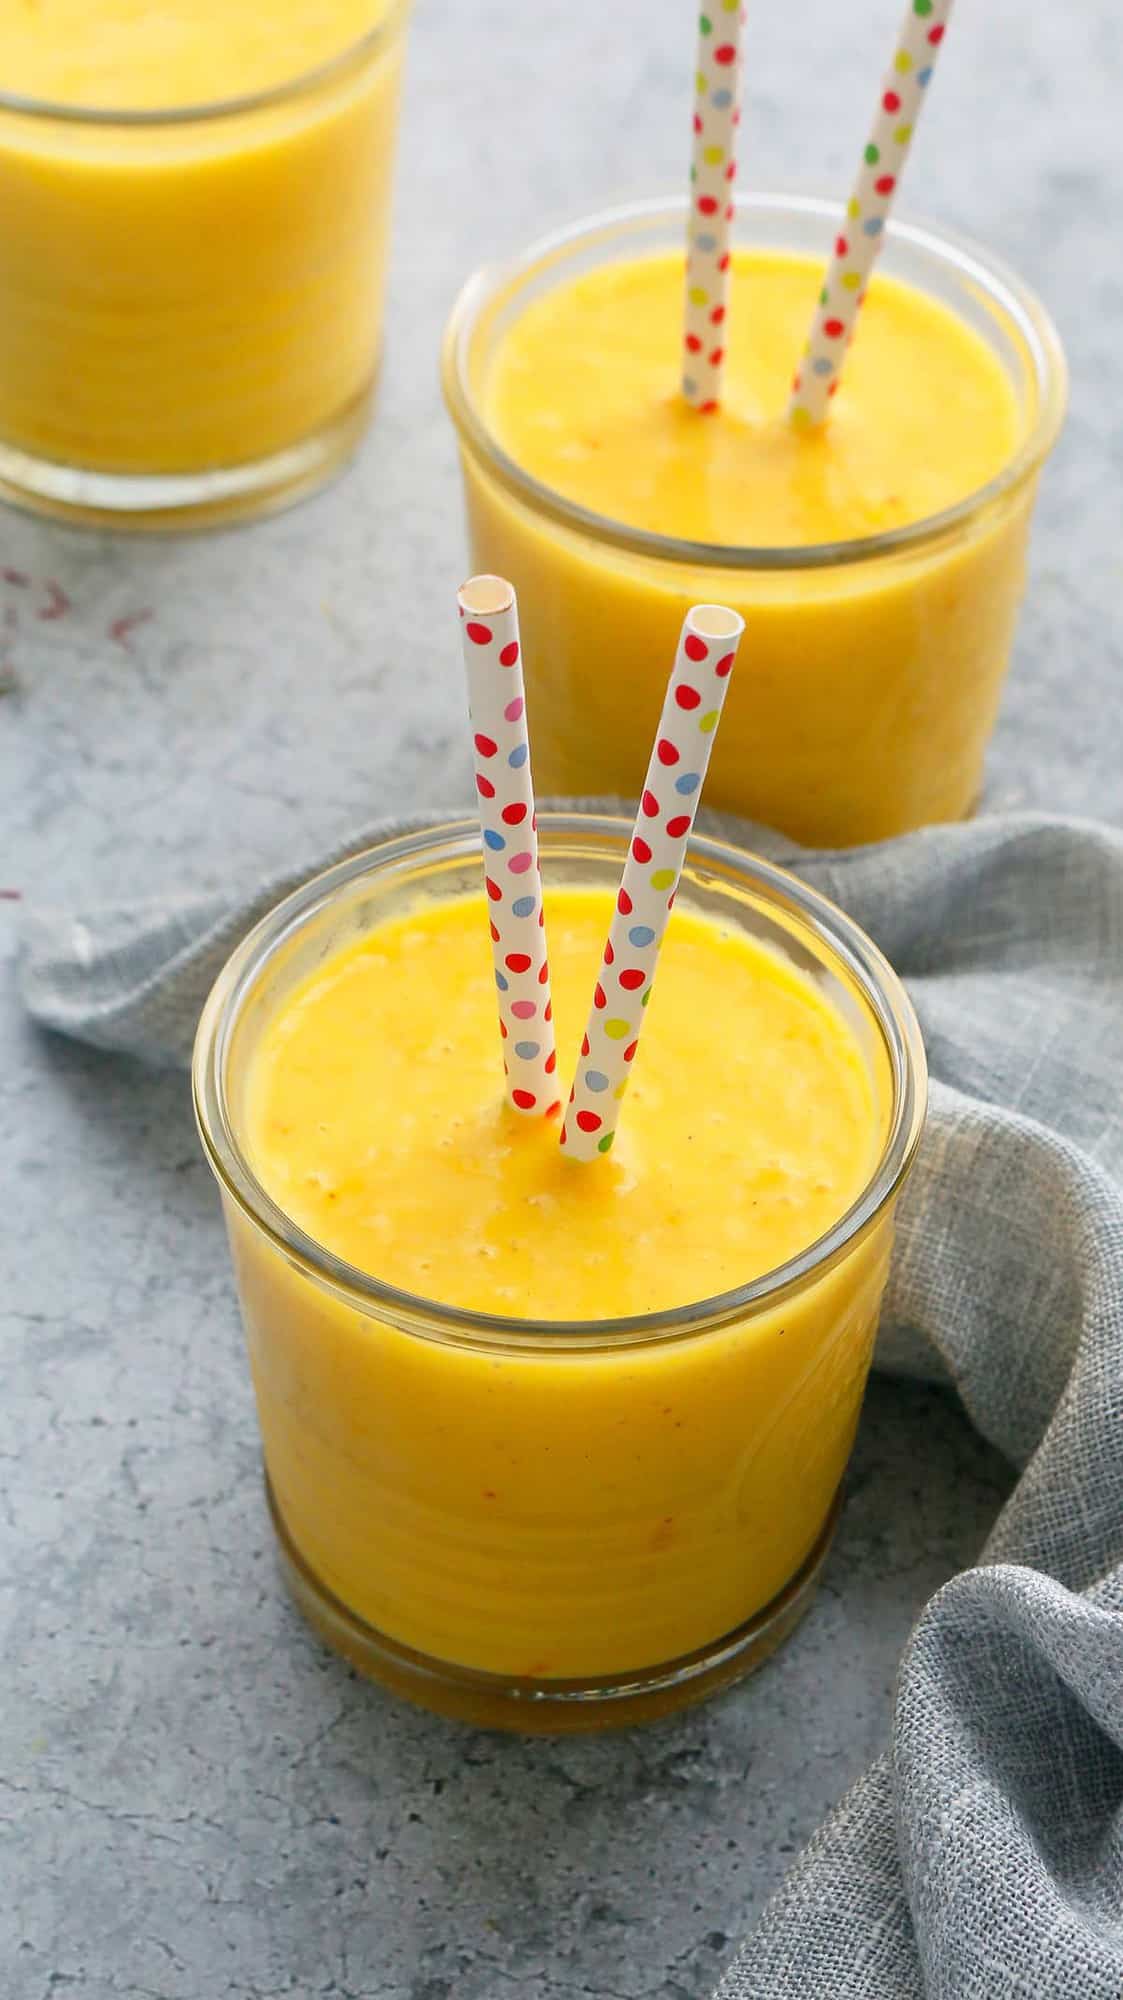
[
  {"x": 922, "y": 7},
  {"x": 663, "y": 878},
  {"x": 605, "y": 1145},
  {"x": 903, "y": 134},
  {"x": 709, "y": 722},
  {"x": 705, "y": 24},
  {"x": 616, "y": 1030},
  {"x": 693, "y": 171},
  {"x": 823, "y": 296},
  {"x": 646, "y": 997},
  {"x": 872, "y": 156}
]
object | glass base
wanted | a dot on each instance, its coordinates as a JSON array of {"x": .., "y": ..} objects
[
  {"x": 155, "y": 503},
  {"x": 549, "y": 1707}
]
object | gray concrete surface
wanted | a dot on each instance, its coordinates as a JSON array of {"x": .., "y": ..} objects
[{"x": 198, "y": 1801}]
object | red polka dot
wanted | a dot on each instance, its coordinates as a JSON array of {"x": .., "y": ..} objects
[
  {"x": 935, "y": 36},
  {"x": 726, "y": 54},
  {"x": 725, "y": 665},
  {"x": 609, "y": 954},
  {"x": 509, "y": 654},
  {"x": 631, "y": 979},
  {"x": 707, "y": 409},
  {"x": 717, "y": 315},
  {"x": 671, "y": 899},
  {"x": 833, "y": 389},
  {"x": 723, "y": 262},
  {"x": 687, "y": 697},
  {"x": 885, "y": 184},
  {"x": 693, "y": 343},
  {"x": 553, "y": 1109},
  {"x": 503, "y": 1030},
  {"x": 480, "y": 635},
  {"x": 679, "y": 825},
  {"x": 525, "y": 1099},
  {"x": 544, "y": 974},
  {"x": 550, "y": 1066},
  {"x": 841, "y": 246},
  {"x": 717, "y": 357},
  {"x": 640, "y": 849},
  {"x": 589, "y": 1121},
  {"x": 666, "y": 751},
  {"x": 697, "y": 123},
  {"x": 731, "y": 171},
  {"x": 832, "y": 328},
  {"x": 548, "y": 1014},
  {"x": 494, "y": 934},
  {"x": 517, "y": 961},
  {"x": 514, "y": 815},
  {"x": 890, "y": 102},
  {"x": 695, "y": 649},
  {"x": 600, "y": 997},
  {"x": 729, "y": 213},
  {"x": 624, "y": 903},
  {"x": 650, "y": 805},
  {"x": 485, "y": 746},
  {"x": 493, "y": 890},
  {"x": 796, "y": 381},
  {"x": 564, "y": 1136},
  {"x": 584, "y": 1045},
  {"x": 629, "y": 1052},
  {"x": 485, "y": 788},
  {"x": 707, "y": 204}
]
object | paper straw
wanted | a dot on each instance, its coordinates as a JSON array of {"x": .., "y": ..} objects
[
  {"x": 855, "y": 252},
  {"x": 497, "y": 703},
  {"x": 707, "y": 649},
  {"x": 713, "y": 169}
]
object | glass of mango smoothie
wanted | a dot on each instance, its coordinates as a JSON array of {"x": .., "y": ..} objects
[
  {"x": 877, "y": 562},
  {"x": 194, "y": 210},
  {"x": 550, "y": 1445}
]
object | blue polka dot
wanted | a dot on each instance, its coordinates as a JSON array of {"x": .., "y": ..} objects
[
  {"x": 518, "y": 756},
  {"x": 690, "y": 386},
  {"x": 705, "y": 241},
  {"x": 923, "y": 77},
  {"x": 641, "y": 935},
  {"x": 524, "y": 906},
  {"x": 493, "y": 840},
  {"x": 596, "y": 1079},
  {"x": 689, "y": 782},
  {"x": 503, "y": 984},
  {"x": 822, "y": 366},
  {"x": 873, "y": 227},
  {"x": 721, "y": 99},
  {"x": 527, "y": 1050}
]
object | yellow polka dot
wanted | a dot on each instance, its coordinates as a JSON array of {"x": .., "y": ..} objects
[
  {"x": 662, "y": 878},
  {"x": 619, "y": 1091},
  {"x": 853, "y": 207},
  {"x": 903, "y": 62},
  {"x": 903, "y": 134},
  {"x": 851, "y": 280},
  {"x": 697, "y": 296},
  {"x": 700, "y": 84},
  {"x": 713, "y": 155}
]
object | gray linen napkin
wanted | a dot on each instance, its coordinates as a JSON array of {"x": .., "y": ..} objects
[{"x": 982, "y": 1857}]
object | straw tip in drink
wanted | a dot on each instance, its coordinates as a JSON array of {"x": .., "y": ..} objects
[
  {"x": 715, "y": 621},
  {"x": 486, "y": 595}
]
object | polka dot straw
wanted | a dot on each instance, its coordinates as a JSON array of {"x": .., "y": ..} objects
[
  {"x": 509, "y": 828},
  {"x": 713, "y": 169},
  {"x": 691, "y": 711},
  {"x": 856, "y": 248}
]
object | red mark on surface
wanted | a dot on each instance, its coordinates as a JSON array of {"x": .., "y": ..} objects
[
  {"x": 122, "y": 627},
  {"x": 18, "y": 577},
  {"x": 58, "y": 603}
]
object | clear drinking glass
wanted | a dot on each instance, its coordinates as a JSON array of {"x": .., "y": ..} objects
[
  {"x": 192, "y": 298},
  {"x": 875, "y": 666},
  {"x": 634, "y": 1565}
]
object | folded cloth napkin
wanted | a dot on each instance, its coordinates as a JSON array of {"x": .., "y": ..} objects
[{"x": 982, "y": 1857}]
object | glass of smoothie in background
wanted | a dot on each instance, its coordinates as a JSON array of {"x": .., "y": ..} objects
[
  {"x": 878, "y": 562},
  {"x": 194, "y": 209},
  {"x": 551, "y": 1445}
]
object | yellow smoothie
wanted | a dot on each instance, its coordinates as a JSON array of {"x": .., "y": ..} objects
[
  {"x": 191, "y": 295},
  {"x": 558, "y": 1509},
  {"x": 869, "y": 687}
]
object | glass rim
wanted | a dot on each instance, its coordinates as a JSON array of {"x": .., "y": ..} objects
[
  {"x": 999, "y": 283},
  {"x": 211, "y": 111},
  {"x": 459, "y": 840}
]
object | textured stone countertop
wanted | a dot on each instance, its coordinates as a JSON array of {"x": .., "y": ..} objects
[{"x": 203, "y": 1802}]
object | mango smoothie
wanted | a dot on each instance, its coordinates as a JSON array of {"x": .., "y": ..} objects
[
  {"x": 564, "y": 1471},
  {"x": 878, "y": 561},
  {"x": 194, "y": 209}
]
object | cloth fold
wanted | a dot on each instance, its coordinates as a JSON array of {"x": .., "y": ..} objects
[{"x": 981, "y": 1858}]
